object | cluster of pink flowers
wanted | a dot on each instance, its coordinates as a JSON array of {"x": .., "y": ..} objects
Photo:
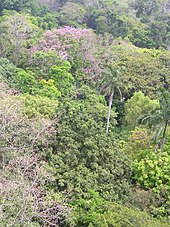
[
  {"x": 62, "y": 41},
  {"x": 76, "y": 33},
  {"x": 71, "y": 44}
]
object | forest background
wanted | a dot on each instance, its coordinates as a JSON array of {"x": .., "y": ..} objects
[{"x": 85, "y": 113}]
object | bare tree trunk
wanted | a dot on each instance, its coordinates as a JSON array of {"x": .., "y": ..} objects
[
  {"x": 163, "y": 137},
  {"x": 120, "y": 93},
  {"x": 109, "y": 110}
]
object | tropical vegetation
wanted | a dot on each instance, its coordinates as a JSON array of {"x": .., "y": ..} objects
[{"x": 85, "y": 113}]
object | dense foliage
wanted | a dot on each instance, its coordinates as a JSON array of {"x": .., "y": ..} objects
[{"x": 84, "y": 113}]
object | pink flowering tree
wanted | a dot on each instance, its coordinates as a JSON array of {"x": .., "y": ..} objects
[{"x": 73, "y": 44}]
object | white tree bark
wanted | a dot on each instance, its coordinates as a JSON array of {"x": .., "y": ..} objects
[{"x": 109, "y": 111}]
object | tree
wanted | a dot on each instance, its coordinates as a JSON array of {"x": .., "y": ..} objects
[
  {"x": 145, "y": 7},
  {"x": 41, "y": 62},
  {"x": 138, "y": 105},
  {"x": 63, "y": 79},
  {"x": 83, "y": 156},
  {"x": 33, "y": 6},
  {"x": 146, "y": 69},
  {"x": 38, "y": 106},
  {"x": 26, "y": 202},
  {"x": 76, "y": 45},
  {"x": 7, "y": 69},
  {"x": 72, "y": 14},
  {"x": 94, "y": 211},
  {"x": 154, "y": 14},
  {"x": 160, "y": 118},
  {"x": 112, "y": 80},
  {"x": 26, "y": 82},
  {"x": 18, "y": 29}
]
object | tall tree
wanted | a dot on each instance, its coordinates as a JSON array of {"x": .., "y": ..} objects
[
  {"x": 112, "y": 80},
  {"x": 160, "y": 119},
  {"x": 17, "y": 29}
]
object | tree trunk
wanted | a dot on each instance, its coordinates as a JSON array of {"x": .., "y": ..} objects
[
  {"x": 163, "y": 137},
  {"x": 109, "y": 110},
  {"x": 120, "y": 93}
]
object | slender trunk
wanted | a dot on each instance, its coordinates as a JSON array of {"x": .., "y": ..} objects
[
  {"x": 163, "y": 136},
  {"x": 109, "y": 110},
  {"x": 17, "y": 51},
  {"x": 156, "y": 147},
  {"x": 120, "y": 93}
]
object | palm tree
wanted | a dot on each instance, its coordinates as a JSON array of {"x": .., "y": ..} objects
[
  {"x": 111, "y": 81},
  {"x": 160, "y": 119}
]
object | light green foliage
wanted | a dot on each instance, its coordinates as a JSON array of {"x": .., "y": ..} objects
[
  {"x": 89, "y": 210},
  {"x": 138, "y": 105},
  {"x": 63, "y": 80},
  {"x": 25, "y": 81},
  {"x": 37, "y": 106},
  {"x": 47, "y": 88},
  {"x": 118, "y": 215},
  {"x": 58, "y": 82},
  {"x": 53, "y": 73},
  {"x": 41, "y": 62},
  {"x": 151, "y": 170}
]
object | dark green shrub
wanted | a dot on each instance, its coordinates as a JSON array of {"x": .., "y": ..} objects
[
  {"x": 7, "y": 69},
  {"x": 84, "y": 157},
  {"x": 96, "y": 212}
]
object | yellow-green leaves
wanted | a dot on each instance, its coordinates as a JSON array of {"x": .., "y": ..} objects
[{"x": 138, "y": 105}]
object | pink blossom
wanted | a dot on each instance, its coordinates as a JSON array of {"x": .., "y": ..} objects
[{"x": 69, "y": 43}]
